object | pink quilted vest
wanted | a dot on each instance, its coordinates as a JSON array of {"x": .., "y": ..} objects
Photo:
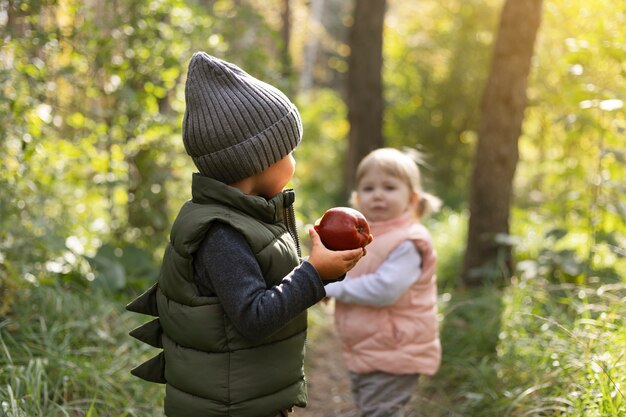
[{"x": 402, "y": 338}]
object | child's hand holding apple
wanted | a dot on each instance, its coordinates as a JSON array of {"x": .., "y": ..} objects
[{"x": 339, "y": 239}]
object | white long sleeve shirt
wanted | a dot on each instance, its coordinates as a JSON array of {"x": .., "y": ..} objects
[{"x": 384, "y": 287}]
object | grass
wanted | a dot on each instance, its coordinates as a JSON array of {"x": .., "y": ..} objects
[
  {"x": 567, "y": 344},
  {"x": 67, "y": 353},
  {"x": 533, "y": 349}
]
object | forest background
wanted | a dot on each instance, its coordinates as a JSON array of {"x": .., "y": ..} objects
[{"x": 94, "y": 171}]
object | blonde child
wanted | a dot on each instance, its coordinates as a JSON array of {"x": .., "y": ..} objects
[{"x": 385, "y": 309}]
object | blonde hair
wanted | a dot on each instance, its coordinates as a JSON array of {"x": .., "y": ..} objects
[{"x": 402, "y": 165}]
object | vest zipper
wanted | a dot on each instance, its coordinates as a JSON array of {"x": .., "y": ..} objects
[{"x": 290, "y": 222}]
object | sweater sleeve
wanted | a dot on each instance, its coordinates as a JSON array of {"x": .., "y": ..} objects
[
  {"x": 225, "y": 267},
  {"x": 384, "y": 286}
]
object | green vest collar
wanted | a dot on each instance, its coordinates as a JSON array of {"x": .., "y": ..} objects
[{"x": 205, "y": 190}]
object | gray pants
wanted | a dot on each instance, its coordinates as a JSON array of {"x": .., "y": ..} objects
[{"x": 379, "y": 394}]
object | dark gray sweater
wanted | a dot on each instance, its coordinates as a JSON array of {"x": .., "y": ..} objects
[{"x": 224, "y": 266}]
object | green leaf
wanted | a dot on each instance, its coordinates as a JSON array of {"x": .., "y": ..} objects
[
  {"x": 556, "y": 234},
  {"x": 109, "y": 272}
]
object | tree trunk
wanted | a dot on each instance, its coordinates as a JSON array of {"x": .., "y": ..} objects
[
  {"x": 364, "y": 85},
  {"x": 488, "y": 253},
  {"x": 285, "y": 34},
  {"x": 312, "y": 45}
]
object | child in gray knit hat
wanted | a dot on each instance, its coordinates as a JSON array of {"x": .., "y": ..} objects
[{"x": 231, "y": 300}]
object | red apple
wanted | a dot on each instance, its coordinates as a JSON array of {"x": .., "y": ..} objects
[{"x": 343, "y": 228}]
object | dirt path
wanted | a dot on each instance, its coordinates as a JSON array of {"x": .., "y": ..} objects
[{"x": 328, "y": 383}]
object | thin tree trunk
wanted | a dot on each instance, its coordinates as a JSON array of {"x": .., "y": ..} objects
[
  {"x": 312, "y": 45},
  {"x": 502, "y": 114},
  {"x": 364, "y": 85},
  {"x": 285, "y": 31}
]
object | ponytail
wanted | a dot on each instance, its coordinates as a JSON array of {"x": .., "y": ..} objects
[{"x": 427, "y": 205}]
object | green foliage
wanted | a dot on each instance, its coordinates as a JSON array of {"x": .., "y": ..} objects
[
  {"x": 569, "y": 256},
  {"x": 319, "y": 157},
  {"x": 533, "y": 349},
  {"x": 116, "y": 269},
  {"x": 449, "y": 230},
  {"x": 437, "y": 56},
  {"x": 572, "y": 168},
  {"x": 90, "y": 121},
  {"x": 562, "y": 349}
]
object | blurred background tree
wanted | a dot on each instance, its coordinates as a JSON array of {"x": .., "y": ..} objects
[
  {"x": 502, "y": 112},
  {"x": 364, "y": 89}
]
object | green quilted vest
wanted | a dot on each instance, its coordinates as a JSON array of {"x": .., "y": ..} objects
[{"x": 209, "y": 369}]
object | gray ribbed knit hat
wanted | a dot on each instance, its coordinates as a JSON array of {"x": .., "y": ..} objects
[{"x": 235, "y": 125}]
